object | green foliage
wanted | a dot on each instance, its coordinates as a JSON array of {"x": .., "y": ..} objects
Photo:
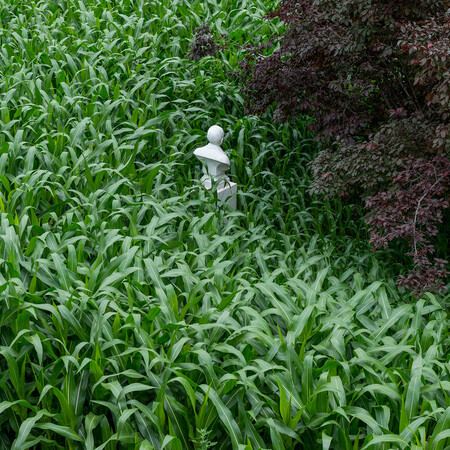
[{"x": 131, "y": 314}]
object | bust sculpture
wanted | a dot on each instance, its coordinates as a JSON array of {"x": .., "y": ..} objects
[{"x": 215, "y": 161}]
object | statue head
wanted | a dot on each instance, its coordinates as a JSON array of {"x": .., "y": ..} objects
[{"x": 215, "y": 135}]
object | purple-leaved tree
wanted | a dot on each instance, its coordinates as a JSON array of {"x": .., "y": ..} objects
[{"x": 375, "y": 76}]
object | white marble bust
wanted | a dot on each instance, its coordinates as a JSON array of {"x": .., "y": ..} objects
[{"x": 215, "y": 161}]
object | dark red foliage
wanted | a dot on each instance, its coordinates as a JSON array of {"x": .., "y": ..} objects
[
  {"x": 205, "y": 43},
  {"x": 375, "y": 76},
  {"x": 412, "y": 212}
]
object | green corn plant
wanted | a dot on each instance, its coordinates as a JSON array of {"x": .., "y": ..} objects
[{"x": 136, "y": 314}]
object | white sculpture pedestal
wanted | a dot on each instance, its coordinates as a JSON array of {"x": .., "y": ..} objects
[
  {"x": 215, "y": 164},
  {"x": 227, "y": 194}
]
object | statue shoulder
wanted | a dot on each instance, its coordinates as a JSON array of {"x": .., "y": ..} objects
[
  {"x": 201, "y": 151},
  {"x": 213, "y": 152}
]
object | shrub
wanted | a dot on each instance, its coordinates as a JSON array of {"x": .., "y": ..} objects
[
  {"x": 375, "y": 76},
  {"x": 205, "y": 43}
]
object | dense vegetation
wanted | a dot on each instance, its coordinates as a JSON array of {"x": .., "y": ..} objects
[
  {"x": 132, "y": 315},
  {"x": 375, "y": 75}
]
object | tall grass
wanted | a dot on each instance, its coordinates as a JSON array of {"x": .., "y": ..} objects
[{"x": 132, "y": 315}]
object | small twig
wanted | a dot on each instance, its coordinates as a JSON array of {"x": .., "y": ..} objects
[{"x": 418, "y": 207}]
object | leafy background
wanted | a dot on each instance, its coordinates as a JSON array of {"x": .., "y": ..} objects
[{"x": 133, "y": 312}]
